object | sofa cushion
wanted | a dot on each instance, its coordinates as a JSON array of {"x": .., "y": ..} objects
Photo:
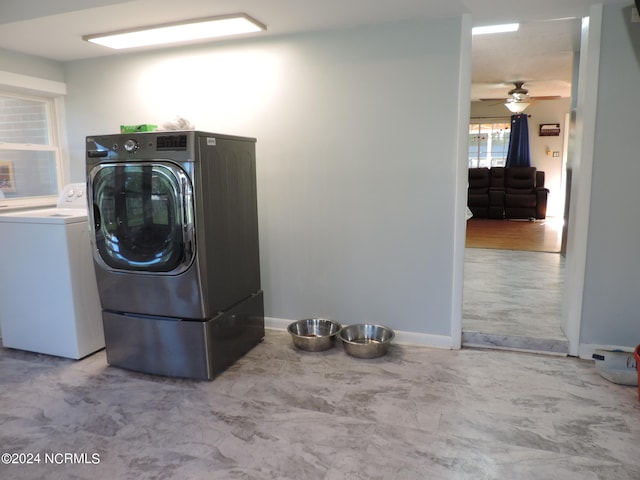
[
  {"x": 478, "y": 200},
  {"x": 520, "y": 178},
  {"x": 520, "y": 201},
  {"x": 496, "y": 177},
  {"x": 479, "y": 180}
]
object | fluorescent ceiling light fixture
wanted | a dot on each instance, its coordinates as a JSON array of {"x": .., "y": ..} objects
[
  {"x": 199, "y": 29},
  {"x": 507, "y": 27}
]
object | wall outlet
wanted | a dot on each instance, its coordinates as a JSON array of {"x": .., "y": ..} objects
[{"x": 556, "y": 154}]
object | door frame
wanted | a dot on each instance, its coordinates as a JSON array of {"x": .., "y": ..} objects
[{"x": 581, "y": 165}]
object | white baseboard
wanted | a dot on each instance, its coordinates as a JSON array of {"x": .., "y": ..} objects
[
  {"x": 585, "y": 351},
  {"x": 402, "y": 337},
  {"x": 276, "y": 323},
  {"x": 424, "y": 340}
]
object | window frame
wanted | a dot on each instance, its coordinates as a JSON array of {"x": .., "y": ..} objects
[
  {"x": 51, "y": 93},
  {"x": 486, "y": 121}
]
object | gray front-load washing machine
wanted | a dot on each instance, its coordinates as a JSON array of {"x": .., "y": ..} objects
[{"x": 175, "y": 242}]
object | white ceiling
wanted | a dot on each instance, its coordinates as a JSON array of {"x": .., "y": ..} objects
[{"x": 539, "y": 54}]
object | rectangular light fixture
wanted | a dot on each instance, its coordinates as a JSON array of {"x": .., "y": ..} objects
[
  {"x": 189, "y": 30},
  {"x": 507, "y": 27}
]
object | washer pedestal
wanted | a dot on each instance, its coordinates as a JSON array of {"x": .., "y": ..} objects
[{"x": 183, "y": 348}]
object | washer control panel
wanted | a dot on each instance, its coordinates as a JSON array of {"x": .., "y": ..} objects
[{"x": 73, "y": 195}]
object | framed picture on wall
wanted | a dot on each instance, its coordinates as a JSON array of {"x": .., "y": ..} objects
[
  {"x": 549, "y": 129},
  {"x": 7, "y": 178}
]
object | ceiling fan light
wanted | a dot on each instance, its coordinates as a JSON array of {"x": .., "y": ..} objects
[{"x": 517, "y": 107}]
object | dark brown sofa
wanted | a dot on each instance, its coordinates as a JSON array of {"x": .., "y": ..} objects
[{"x": 501, "y": 192}]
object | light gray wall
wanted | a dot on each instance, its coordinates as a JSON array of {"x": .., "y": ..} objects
[
  {"x": 30, "y": 65},
  {"x": 544, "y": 112},
  {"x": 611, "y": 302},
  {"x": 357, "y": 138}
]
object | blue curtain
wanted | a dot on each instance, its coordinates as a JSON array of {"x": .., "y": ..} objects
[{"x": 518, "y": 153}]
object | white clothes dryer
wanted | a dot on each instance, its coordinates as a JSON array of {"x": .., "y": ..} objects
[{"x": 49, "y": 297}]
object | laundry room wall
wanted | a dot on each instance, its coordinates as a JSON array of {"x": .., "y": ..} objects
[
  {"x": 38, "y": 67},
  {"x": 610, "y": 299},
  {"x": 358, "y": 161}
]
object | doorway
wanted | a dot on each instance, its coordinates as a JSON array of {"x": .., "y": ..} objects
[{"x": 512, "y": 295}]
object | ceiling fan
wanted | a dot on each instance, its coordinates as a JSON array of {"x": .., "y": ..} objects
[{"x": 519, "y": 98}]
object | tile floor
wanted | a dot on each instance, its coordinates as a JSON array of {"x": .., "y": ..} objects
[
  {"x": 513, "y": 299},
  {"x": 279, "y": 413}
]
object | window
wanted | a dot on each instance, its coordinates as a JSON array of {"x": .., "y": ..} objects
[
  {"x": 30, "y": 163},
  {"x": 488, "y": 144}
]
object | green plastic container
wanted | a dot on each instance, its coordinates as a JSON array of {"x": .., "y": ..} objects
[{"x": 147, "y": 127}]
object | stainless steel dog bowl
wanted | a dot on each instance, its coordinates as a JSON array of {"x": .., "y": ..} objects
[
  {"x": 366, "y": 341},
  {"x": 314, "y": 334}
]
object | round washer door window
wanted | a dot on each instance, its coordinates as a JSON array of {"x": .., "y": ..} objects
[{"x": 142, "y": 217}]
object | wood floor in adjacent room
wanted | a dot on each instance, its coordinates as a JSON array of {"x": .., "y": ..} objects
[{"x": 533, "y": 236}]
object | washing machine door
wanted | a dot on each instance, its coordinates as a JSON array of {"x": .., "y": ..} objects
[{"x": 142, "y": 217}]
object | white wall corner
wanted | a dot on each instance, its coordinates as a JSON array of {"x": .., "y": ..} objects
[
  {"x": 580, "y": 202},
  {"x": 461, "y": 176}
]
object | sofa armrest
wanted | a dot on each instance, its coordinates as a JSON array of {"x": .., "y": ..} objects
[{"x": 541, "y": 203}]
